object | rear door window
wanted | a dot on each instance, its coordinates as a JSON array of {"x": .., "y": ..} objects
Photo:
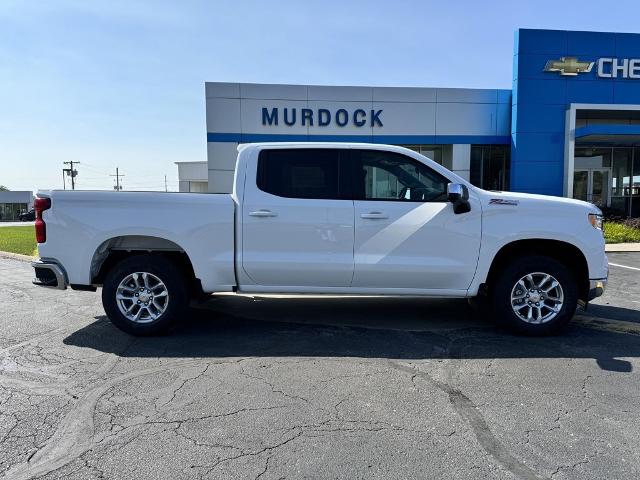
[{"x": 321, "y": 173}]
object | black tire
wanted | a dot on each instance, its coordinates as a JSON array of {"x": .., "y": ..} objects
[
  {"x": 162, "y": 268},
  {"x": 505, "y": 282}
]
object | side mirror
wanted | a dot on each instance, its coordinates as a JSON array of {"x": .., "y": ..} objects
[{"x": 458, "y": 195}]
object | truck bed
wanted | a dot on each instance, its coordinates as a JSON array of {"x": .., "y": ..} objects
[{"x": 80, "y": 224}]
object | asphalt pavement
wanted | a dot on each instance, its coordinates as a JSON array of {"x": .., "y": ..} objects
[{"x": 292, "y": 387}]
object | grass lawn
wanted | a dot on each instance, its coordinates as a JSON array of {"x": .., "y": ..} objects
[
  {"x": 18, "y": 240},
  {"x": 619, "y": 233}
]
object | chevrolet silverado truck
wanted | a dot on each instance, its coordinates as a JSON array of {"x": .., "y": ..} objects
[{"x": 325, "y": 218}]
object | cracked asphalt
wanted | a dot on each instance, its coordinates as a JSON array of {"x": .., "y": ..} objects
[{"x": 273, "y": 387}]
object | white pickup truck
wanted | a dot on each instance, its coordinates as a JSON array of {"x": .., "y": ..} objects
[{"x": 325, "y": 218}]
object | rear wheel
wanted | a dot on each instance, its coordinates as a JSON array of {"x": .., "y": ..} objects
[
  {"x": 535, "y": 295},
  {"x": 145, "y": 294}
]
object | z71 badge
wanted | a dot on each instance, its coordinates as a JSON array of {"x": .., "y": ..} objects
[{"x": 502, "y": 201}]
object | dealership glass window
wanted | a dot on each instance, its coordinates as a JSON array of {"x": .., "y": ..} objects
[
  {"x": 616, "y": 166},
  {"x": 621, "y": 180},
  {"x": 592, "y": 157},
  {"x": 198, "y": 187},
  {"x": 634, "y": 209},
  {"x": 434, "y": 152},
  {"x": 11, "y": 211},
  {"x": 490, "y": 166},
  {"x": 383, "y": 175}
]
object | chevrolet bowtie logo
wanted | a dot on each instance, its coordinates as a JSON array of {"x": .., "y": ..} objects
[{"x": 568, "y": 66}]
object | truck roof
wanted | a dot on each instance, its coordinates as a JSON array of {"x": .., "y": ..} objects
[{"x": 372, "y": 146}]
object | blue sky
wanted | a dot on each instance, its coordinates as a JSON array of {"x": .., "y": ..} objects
[{"x": 121, "y": 83}]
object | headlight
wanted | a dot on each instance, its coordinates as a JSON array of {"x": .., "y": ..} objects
[{"x": 595, "y": 219}]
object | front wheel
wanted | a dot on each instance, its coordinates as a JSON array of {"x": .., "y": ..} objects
[
  {"x": 535, "y": 295},
  {"x": 144, "y": 295}
]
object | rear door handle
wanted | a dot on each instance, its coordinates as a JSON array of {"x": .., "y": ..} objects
[
  {"x": 374, "y": 215},
  {"x": 263, "y": 213}
]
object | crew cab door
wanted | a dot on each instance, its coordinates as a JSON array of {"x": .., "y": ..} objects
[
  {"x": 297, "y": 218},
  {"x": 407, "y": 234}
]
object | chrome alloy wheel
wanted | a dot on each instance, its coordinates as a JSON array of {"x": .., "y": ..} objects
[
  {"x": 537, "y": 298},
  {"x": 142, "y": 297}
]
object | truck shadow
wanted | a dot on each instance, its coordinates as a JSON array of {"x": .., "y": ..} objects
[{"x": 366, "y": 327}]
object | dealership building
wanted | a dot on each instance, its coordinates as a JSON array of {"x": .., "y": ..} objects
[{"x": 570, "y": 125}]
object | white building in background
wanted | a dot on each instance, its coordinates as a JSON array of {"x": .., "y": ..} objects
[
  {"x": 13, "y": 203},
  {"x": 192, "y": 177},
  {"x": 442, "y": 123}
]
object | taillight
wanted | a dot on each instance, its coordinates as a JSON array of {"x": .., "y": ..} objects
[{"x": 40, "y": 205}]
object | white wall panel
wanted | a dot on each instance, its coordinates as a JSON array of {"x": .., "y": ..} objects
[
  {"x": 193, "y": 171},
  {"x": 220, "y": 181},
  {"x": 409, "y": 94},
  {"x": 461, "y": 157},
  {"x": 406, "y": 118},
  {"x": 222, "y": 155},
  {"x": 466, "y": 174},
  {"x": 343, "y": 94},
  {"x": 274, "y": 92},
  {"x": 223, "y": 115},
  {"x": 465, "y": 119},
  {"x": 466, "y": 95},
  {"x": 222, "y": 90}
]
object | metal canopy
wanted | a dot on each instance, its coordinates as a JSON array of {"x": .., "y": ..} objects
[{"x": 609, "y": 135}]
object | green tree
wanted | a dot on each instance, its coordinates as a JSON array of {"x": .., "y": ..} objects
[{"x": 3, "y": 188}]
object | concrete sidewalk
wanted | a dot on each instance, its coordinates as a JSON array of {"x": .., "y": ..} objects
[{"x": 16, "y": 224}]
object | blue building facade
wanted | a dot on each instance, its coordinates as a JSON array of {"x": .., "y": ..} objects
[
  {"x": 575, "y": 120},
  {"x": 570, "y": 125}
]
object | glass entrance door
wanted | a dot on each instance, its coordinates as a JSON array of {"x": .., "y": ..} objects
[
  {"x": 581, "y": 184},
  {"x": 600, "y": 187},
  {"x": 592, "y": 185}
]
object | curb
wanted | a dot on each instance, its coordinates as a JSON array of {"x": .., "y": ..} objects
[
  {"x": 17, "y": 256},
  {"x": 622, "y": 247}
]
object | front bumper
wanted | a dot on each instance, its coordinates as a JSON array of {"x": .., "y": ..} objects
[
  {"x": 49, "y": 274},
  {"x": 597, "y": 287}
]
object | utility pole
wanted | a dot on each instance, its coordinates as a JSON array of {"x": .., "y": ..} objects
[
  {"x": 165, "y": 184},
  {"x": 118, "y": 187},
  {"x": 71, "y": 172}
]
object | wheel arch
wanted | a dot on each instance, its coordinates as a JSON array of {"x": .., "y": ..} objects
[
  {"x": 563, "y": 252},
  {"x": 115, "y": 249}
]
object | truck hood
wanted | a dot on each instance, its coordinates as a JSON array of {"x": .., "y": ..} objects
[{"x": 515, "y": 199}]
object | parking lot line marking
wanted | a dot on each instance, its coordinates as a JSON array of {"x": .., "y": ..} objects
[
  {"x": 608, "y": 325},
  {"x": 624, "y": 266}
]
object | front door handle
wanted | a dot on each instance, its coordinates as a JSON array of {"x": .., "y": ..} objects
[
  {"x": 263, "y": 213},
  {"x": 374, "y": 215}
]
